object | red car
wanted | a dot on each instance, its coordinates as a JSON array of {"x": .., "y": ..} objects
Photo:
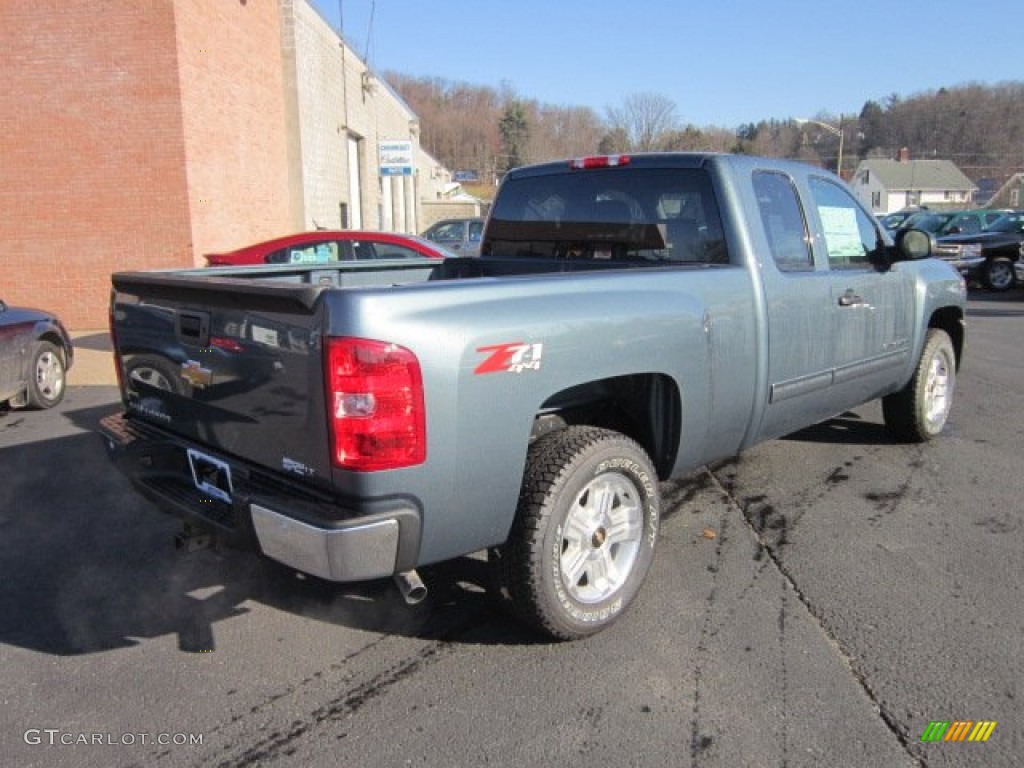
[{"x": 327, "y": 245}]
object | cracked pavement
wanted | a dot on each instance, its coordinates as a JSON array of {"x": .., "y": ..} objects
[{"x": 816, "y": 601}]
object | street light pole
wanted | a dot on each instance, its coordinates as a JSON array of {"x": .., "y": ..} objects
[{"x": 835, "y": 132}]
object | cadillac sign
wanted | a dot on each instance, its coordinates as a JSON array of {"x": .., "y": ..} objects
[{"x": 395, "y": 158}]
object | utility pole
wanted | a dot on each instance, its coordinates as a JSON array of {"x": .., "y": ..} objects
[{"x": 835, "y": 132}]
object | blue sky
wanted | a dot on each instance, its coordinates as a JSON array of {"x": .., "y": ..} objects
[{"x": 722, "y": 62}]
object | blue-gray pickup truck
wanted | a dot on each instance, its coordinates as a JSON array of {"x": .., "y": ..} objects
[{"x": 630, "y": 319}]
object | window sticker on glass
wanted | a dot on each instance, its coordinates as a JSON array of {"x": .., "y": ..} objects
[
  {"x": 266, "y": 336},
  {"x": 842, "y": 237}
]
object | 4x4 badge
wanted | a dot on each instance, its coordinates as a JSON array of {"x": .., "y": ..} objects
[{"x": 514, "y": 357}]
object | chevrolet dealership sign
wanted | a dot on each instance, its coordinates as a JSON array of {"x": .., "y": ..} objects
[{"x": 395, "y": 158}]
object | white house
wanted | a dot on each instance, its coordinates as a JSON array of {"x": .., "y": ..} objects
[{"x": 891, "y": 185}]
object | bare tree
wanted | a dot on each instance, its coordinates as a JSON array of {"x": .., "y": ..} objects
[
  {"x": 561, "y": 132},
  {"x": 978, "y": 127},
  {"x": 646, "y": 118}
]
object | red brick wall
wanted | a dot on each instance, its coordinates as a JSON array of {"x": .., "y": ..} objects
[
  {"x": 134, "y": 134},
  {"x": 229, "y": 54},
  {"x": 91, "y": 151}
]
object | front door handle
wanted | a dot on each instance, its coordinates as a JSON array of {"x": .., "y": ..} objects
[{"x": 850, "y": 299}]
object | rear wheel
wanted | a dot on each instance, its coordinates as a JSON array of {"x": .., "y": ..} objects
[
  {"x": 584, "y": 533},
  {"x": 918, "y": 412},
  {"x": 47, "y": 376},
  {"x": 998, "y": 274}
]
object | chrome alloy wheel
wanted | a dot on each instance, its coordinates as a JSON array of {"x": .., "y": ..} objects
[
  {"x": 601, "y": 538},
  {"x": 49, "y": 375},
  {"x": 938, "y": 391}
]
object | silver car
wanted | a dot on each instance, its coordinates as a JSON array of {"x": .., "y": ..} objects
[{"x": 461, "y": 236}]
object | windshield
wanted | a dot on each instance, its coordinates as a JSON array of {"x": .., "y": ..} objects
[
  {"x": 609, "y": 214},
  {"x": 929, "y": 222},
  {"x": 1011, "y": 222}
]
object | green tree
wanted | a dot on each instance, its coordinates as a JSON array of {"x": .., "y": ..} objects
[{"x": 514, "y": 128}]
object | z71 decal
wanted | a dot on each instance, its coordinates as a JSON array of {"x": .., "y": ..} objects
[{"x": 514, "y": 357}]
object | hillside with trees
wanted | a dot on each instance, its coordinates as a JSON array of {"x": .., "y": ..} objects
[{"x": 487, "y": 131}]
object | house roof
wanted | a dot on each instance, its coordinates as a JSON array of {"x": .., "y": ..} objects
[
  {"x": 917, "y": 175},
  {"x": 1015, "y": 180}
]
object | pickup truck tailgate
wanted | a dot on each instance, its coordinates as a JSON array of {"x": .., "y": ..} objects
[{"x": 233, "y": 365}]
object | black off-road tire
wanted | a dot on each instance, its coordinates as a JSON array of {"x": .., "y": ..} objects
[
  {"x": 584, "y": 533},
  {"x": 47, "y": 376},
  {"x": 918, "y": 412}
]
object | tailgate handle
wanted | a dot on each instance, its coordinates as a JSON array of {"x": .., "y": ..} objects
[{"x": 193, "y": 328}]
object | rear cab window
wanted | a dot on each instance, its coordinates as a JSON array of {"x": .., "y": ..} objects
[{"x": 615, "y": 214}]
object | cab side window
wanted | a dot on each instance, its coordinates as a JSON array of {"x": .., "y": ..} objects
[
  {"x": 448, "y": 233},
  {"x": 850, "y": 236},
  {"x": 783, "y": 221}
]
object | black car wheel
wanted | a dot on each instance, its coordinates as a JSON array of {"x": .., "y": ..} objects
[{"x": 998, "y": 274}]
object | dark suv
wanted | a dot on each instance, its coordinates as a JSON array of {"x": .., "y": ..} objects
[
  {"x": 987, "y": 256},
  {"x": 942, "y": 223}
]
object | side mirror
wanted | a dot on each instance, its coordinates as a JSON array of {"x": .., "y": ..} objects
[{"x": 913, "y": 244}]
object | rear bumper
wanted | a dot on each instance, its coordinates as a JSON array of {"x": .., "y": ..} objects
[
  {"x": 364, "y": 550},
  {"x": 354, "y": 541}
]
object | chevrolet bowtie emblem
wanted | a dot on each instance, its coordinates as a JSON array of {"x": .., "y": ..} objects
[{"x": 194, "y": 373}]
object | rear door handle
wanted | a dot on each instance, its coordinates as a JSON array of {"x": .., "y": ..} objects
[{"x": 850, "y": 299}]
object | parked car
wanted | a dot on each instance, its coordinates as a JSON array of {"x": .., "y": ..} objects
[
  {"x": 942, "y": 223},
  {"x": 331, "y": 245},
  {"x": 35, "y": 355},
  {"x": 989, "y": 256},
  {"x": 892, "y": 221},
  {"x": 459, "y": 235}
]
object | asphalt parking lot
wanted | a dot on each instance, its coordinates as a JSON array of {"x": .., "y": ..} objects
[{"x": 818, "y": 601}]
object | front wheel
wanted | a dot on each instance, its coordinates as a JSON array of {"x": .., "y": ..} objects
[
  {"x": 584, "y": 532},
  {"x": 918, "y": 412},
  {"x": 998, "y": 274},
  {"x": 47, "y": 376}
]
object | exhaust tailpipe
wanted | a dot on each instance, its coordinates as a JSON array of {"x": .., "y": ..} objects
[{"x": 411, "y": 586}]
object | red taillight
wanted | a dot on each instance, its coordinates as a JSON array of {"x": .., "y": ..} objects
[
  {"x": 598, "y": 161},
  {"x": 375, "y": 405}
]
